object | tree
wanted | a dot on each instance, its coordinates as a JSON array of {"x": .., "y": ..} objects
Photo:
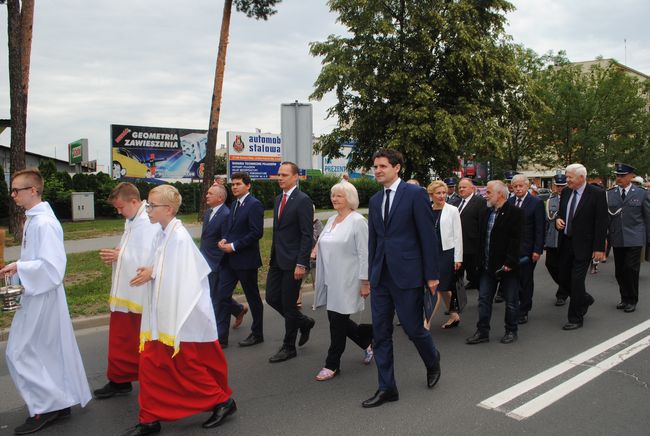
[
  {"x": 258, "y": 9},
  {"x": 20, "y": 20},
  {"x": 420, "y": 76},
  {"x": 597, "y": 116},
  {"x": 523, "y": 108}
]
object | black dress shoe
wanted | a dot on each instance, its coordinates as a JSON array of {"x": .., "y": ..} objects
[
  {"x": 38, "y": 422},
  {"x": 220, "y": 412},
  {"x": 143, "y": 429},
  {"x": 629, "y": 308},
  {"x": 433, "y": 373},
  {"x": 523, "y": 319},
  {"x": 572, "y": 326},
  {"x": 111, "y": 389},
  {"x": 471, "y": 285},
  {"x": 451, "y": 325},
  {"x": 560, "y": 301},
  {"x": 304, "y": 331},
  {"x": 477, "y": 338},
  {"x": 498, "y": 298},
  {"x": 223, "y": 343},
  {"x": 282, "y": 355},
  {"x": 509, "y": 338},
  {"x": 252, "y": 339},
  {"x": 380, "y": 398},
  {"x": 621, "y": 305}
]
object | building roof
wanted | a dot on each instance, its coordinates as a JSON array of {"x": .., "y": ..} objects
[{"x": 36, "y": 155}]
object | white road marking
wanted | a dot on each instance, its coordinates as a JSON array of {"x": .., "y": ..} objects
[
  {"x": 541, "y": 402},
  {"x": 498, "y": 400}
]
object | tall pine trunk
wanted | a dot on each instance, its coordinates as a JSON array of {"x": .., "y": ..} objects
[
  {"x": 215, "y": 109},
  {"x": 20, "y": 23}
]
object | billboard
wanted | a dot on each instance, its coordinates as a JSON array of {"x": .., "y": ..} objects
[
  {"x": 157, "y": 153},
  {"x": 78, "y": 151},
  {"x": 338, "y": 166},
  {"x": 258, "y": 154}
]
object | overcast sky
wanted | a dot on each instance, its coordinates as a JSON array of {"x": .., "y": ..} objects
[{"x": 151, "y": 62}]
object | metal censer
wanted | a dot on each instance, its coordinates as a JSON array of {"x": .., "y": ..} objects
[{"x": 10, "y": 296}]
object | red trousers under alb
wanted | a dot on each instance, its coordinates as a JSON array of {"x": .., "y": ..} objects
[
  {"x": 194, "y": 381},
  {"x": 123, "y": 345}
]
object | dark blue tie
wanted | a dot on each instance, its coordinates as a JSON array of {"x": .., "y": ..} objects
[
  {"x": 572, "y": 205},
  {"x": 386, "y": 206}
]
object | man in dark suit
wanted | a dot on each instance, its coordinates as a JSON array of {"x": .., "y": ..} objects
[
  {"x": 241, "y": 247},
  {"x": 532, "y": 241},
  {"x": 292, "y": 237},
  {"x": 629, "y": 231},
  {"x": 402, "y": 259},
  {"x": 471, "y": 208},
  {"x": 551, "y": 238},
  {"x": 582, "y": 222},
  {"x": 500, "y": 244},
  {"x": 214, "y": 221}
]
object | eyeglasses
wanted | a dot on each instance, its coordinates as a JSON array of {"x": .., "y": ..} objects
[
  {"x": 16, "y": 190},
  {"x": 153, "y": 206}
]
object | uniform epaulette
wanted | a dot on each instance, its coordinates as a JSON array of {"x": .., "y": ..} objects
[{"x": 613, "y": 187}]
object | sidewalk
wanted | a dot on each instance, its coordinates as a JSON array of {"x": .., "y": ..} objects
[{"x": 94, "y": 244}]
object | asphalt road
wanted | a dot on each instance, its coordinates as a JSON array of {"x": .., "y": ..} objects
[{"x": 285, "y": 399}]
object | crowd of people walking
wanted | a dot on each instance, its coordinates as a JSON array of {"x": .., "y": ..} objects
[{"x": 419, "y": 249}]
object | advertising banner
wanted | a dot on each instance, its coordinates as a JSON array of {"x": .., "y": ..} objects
[
  {"x": 338, "y": 166},
  {"x": 157, "y": 153},
  {"x": 78, "y": 151},
  {"x": 258, "y": 154}
]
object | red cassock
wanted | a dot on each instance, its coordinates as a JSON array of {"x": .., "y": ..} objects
[
  {"x": 192, "y": 382},
  {"x": 123, "y": 347}
]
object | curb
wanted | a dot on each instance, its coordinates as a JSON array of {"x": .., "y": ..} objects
[{"x": 87, "y": 322}]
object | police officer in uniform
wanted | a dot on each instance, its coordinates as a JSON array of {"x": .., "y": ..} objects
[
  {"x": 629, "y": 231},
  {"x": 551, "y": 238},
  {"x": 452, "y": 196}
]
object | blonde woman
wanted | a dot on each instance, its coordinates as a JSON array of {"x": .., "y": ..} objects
[
  {"x": 342, "y": 279},
  {"x": 450, "y": 237}
]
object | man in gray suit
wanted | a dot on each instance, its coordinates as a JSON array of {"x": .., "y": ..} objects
[{"x": 629, "y": 231}]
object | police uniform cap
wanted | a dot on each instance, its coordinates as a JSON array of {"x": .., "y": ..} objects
[
  {"x": 559, "y": 179},
  {"x": 623, "y": 169},
  {"x": 450, "y": 181}
]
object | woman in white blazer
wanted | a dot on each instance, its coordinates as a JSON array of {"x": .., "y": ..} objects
[
  {"x": 342, "y": 280},
  {"x": 450, "y": 240}
]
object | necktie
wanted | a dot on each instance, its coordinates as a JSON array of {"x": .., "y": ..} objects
[
  {"x": 462, "y": 204},
  {"x": 623, "y": 193},
  {"x": 284, "y": 202},
  {"x": 234, "y": 209},
  {"x": 519, "y": 202},
  {"x": 572, "y": 205},
  {"x": 386, "y": 205},
  {"x": 212, "y": 214}
]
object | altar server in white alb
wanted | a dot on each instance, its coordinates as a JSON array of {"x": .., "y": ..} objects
[
  {"x": 126, "y": 301},
  {"x": 42, "y": 353},
  {"x": 183, "y": 370}
]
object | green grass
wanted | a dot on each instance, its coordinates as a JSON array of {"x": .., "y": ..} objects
[
  {"x": 87, "y": 284},
  {"x": 73, "y": 230},
  {"x": 88, "y": 281}
]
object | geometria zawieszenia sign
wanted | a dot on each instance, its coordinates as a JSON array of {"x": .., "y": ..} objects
[{"x": 157, "y": 153}]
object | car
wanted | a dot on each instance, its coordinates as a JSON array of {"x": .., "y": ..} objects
[{"x": 126, "y": 164}]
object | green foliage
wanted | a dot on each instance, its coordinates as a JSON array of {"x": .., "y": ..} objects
[
  {"x": 265, "y": 191},
  {"x": 420, "y": 76},
  {"x": 258, "y": 9},
  {"x": 596, "y": 117}
]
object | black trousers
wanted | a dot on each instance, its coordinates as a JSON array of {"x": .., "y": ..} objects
[
  {"x": 281, "y": 294},
  {"x": 627, "y": 263},
  {"x": 341, "y": 328},
  {"x": 228, "y": 279},
  {"x": 525, "y": 275},
  {"x": 573, "y": 272},
  {"x": 552, "y": 263},
  {"x": 470, "y": 268}
]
